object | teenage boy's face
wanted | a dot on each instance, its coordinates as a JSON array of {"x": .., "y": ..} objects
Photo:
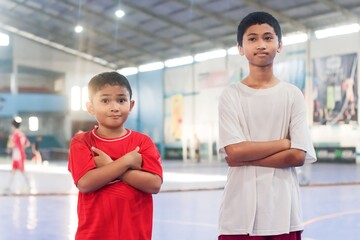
[
  {"x": 260, "y": 44},
  {"x": 111, "y": 106}
]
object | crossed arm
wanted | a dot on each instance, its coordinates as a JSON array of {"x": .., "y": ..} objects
[
  {"x": 126, "y": 169},
  {"x": 276, "y": 154}
]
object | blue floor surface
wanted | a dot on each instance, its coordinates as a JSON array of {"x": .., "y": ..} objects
[{"x": 186, "y": 208}]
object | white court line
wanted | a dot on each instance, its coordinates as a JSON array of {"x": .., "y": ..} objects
[
  {"x": 168, "y": 176},
  {"x": 329, "y": 216},
  {"x": 38, "y": 168}
]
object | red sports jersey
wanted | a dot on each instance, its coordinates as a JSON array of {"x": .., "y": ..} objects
[
  {"x": 117, "y": 210},
  {"x": 20, "y": 142}
]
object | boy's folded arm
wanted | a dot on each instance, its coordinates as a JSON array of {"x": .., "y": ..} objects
[
  {"x": 251, "y": 151},
  {"x": 142, "y": 180},
  {"x": 96, "y": 178},
  {"x": 288, "y": 158}
]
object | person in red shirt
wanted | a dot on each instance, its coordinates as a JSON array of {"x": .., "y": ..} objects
[
  {"x": 17, "y": 144},
  {"x": 115, "y": 169}
]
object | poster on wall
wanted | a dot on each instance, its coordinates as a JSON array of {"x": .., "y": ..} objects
[
  {"x": 335, "y": 89},
  {"x": 177, "y": 108}
]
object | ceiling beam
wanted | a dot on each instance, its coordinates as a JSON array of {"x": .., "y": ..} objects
[
  {"x": 344, "y": 11},
  {"x": 171, "y": 22},
  {"x": 207, "y": 13},
  {"x": 94, "y": 32},
  {"x": 128, "y": 26}
]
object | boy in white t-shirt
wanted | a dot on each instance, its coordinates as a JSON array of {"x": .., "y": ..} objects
[{"x": 263, "y": 132}]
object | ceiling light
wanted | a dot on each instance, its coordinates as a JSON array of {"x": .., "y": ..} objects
[
  {"x": 78, "y": 29},
  {"x": 174, "y": 62},
  {"x": 4, "y": 39},
  {"x": 293, "y": 38},
  {"x": 119, "y": 13},
  {"x": 128, "y": 71},
  {"x": 336, "y": 31},
  {"x": 210, "y": 55},
  {"x": 151, "y": 66}
]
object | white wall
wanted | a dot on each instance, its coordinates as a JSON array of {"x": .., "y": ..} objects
[
  {"x": 200, "y": 104},
  {"x": 201, "y": 116},
  {"x": 77, "y": 71}
]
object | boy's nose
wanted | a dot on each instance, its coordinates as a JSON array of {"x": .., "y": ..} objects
[
  {"x": 261, "y": 45},
  {"x": 115, "y": 107}
]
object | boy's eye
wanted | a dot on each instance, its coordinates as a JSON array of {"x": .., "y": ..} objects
[
  {"x": 104, "y": 100},
  {"x": 121, "y": 100},
  {"x": 251, "y": 39}
]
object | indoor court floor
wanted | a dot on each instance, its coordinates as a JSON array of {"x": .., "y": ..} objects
[{"x": 186, "y": 208}]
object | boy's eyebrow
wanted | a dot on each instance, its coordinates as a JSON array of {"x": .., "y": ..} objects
[{"x": 266, "y": 33}]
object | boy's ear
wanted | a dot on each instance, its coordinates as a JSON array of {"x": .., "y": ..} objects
[
  {"x": 241, "y": 50},
  {"x": 90, "y": 108},
  {"x": 132, "y": 104},
  {"x": 279, "y": 47}
]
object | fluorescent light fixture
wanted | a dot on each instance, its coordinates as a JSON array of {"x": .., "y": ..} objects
[
  {"x": 119, "y": 13},
  {"x": 128, "y": 71},
  {"x": 336, "y": 31},
  {"x": 75, "y": 98},
  {"x": 100, "y": 61},
  {"x": 174, "y": 62},
  {"x": 294, "y": 38},
  {"x": 78, "y": 29},
  {"x": 151, "y": 66},
  {"x": 210, "y": 55},
  {"x": 33, "y": 124},
  {"x": 233, "y": 51},
  {"x": 84, "y": 97},
  {"x": 4, "y": 39}
]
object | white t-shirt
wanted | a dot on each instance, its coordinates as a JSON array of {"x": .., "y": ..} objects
[{"x": 262, "y": 200}]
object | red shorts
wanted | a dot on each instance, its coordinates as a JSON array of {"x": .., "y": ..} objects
[
  {"x": 288, "y": 236},
  {"x": 18, "y": 165}
]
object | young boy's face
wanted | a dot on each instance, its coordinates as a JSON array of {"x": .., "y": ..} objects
[
  {"x": 111, "y": 106},
  {"x": 260, "y": 44}
]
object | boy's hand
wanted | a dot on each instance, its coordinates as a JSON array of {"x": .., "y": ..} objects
[
  {"x": 134, "y": 159},
  {"x": 100, "y": 157}
]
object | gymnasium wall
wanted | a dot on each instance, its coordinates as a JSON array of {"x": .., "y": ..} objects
[{"x": 175, "y": 105}]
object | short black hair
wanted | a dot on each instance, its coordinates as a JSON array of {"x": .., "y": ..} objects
[
  {"x": 257, "y": 18},
  {"x": 107, "y": 78},
  {"x": 15, "y": 123}
]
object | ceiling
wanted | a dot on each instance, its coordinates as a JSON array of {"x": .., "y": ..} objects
[{"x": 156, "y": 30}]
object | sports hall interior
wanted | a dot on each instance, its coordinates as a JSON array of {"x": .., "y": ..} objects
[{"x": 178, "y": 55}]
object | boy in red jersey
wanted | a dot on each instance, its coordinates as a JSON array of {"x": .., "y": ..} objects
[{"x": 115, "y": 169}]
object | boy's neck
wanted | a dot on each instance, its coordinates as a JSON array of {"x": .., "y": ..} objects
[
  {"x": 110, "y": 133},
  {"x": 261, "y": 78}
]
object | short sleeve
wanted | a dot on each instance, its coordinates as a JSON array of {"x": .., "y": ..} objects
[
  {"x": 299, "y": 130},
  {"x": 231, "y": 120},
  {"x": 151, "y": 157},
  {"x": 81, "y": 158}
]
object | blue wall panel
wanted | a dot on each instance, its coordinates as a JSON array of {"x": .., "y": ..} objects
[
  {"x": 15, "y": 103},
  {"x": 151, "y": 102}
]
